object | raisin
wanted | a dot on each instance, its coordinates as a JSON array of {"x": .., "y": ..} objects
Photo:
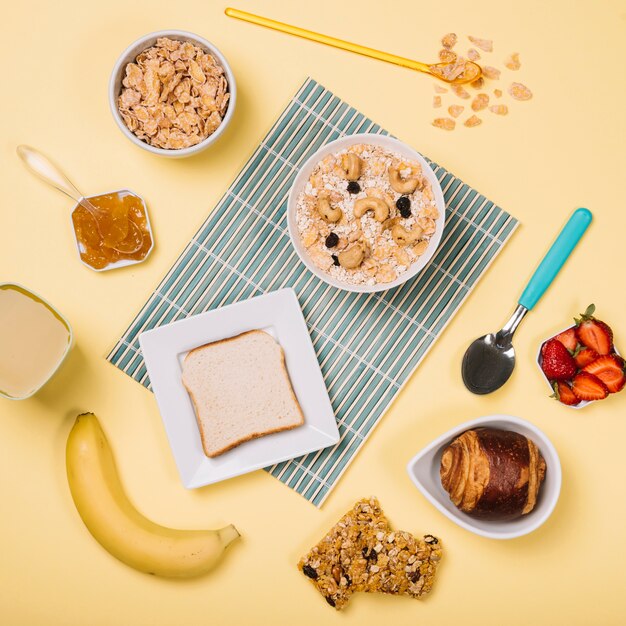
[
  {"x": 332, "y": 240},
  {"x": 330, "y": 600},
  {"x": 414, "y": 576},
  {"x": 354, "y": 187},
  {"x": 307, "y": 570},
  {"x": 430, "y": 539},
  {"x": 370, "y": 554},
  {"x": 348, "y": 580},
  {"x": 335, "y": 259},
  {"x": 404, "y": 206}
]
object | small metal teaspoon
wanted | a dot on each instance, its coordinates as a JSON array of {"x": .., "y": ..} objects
[{"x": 489, "y": 361}]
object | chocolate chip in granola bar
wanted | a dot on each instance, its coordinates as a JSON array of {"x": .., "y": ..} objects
[
  {"x": 348, "y": 580},
  {"x": 330, "y": 600},
  {"x": 430, "y": 539},
  {"x": 404, "y": 206},
  {"x": 354, "y": 187},
  {"x": 307, "y": 570},
  {"x": 335, "y": 259},
  {"x": 332, "y": 240}
]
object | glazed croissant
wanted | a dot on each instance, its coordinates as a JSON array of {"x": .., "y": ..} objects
[{"x": 492, "y": 474}]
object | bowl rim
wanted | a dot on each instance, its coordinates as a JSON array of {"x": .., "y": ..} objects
[
  {"x": 70, "y": 340},
  {"x": 140, "y": 44},
  {"x": 378, "y": 139},
  {"x": 542, "y": 441}
]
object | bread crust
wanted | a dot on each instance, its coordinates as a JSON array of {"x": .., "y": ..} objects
[{"x": 251, "y": 436}]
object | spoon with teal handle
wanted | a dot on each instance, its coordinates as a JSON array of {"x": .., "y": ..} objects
[{"x": 489, "y": 361}]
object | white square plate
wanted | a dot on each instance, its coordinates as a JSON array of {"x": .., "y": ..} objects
[{"x": 276, "y": 313}]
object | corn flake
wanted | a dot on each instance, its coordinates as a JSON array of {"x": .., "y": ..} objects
[
  {"x": 455, "y": 110},
  {"x": 472, "y": 121},
  {"x": 447, "y": 56},
  {"x": 499, "y": 109},
  {"x": 448, "y": 41},
  {"x": 473, "y": 54},
  {"x": 483, "y": 44},
  {"x": 480, "y": 102},
  {"x": 478, "y": 83},
  {"x": 497, "y": 93},
  {"x": 439, "y": 88},
  {"x": 460, "y": 92},
  {"x": 513, "y": 62},
  {"x": 520, "y": 92},
  {"x": 491, "y": 72},
  {"x": 445, "y": 123},
  {"x": 436, "y": 101}
]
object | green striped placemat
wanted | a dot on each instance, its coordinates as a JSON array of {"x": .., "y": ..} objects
[{"x": 367, "y": 344}]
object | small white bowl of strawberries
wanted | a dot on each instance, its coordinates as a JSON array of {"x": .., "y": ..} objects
[{"x": 581, "y": 364}]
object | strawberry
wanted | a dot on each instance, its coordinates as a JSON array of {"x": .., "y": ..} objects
[
  {"x": 568, "y": 339},
  {"x": 586, "y": 386},
  {"x": 583, "y": 356},
  {"x": 610, "y": 370},
  {"x": 594, "y": 333},
  {"x": 563, "y": 393},
  {"x": 557, "y": 363}
]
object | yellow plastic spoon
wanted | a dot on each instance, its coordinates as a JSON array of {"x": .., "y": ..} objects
[{"x": 471, "y": 72}]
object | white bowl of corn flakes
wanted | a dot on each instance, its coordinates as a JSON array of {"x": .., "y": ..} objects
[
  {"x": 172, "y": 93},
  {"x": 366, "y": 213}
]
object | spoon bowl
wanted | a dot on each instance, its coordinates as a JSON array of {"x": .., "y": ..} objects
[
  {"x": 489, "y": 361},
  {"x": 485, "y": 366}
]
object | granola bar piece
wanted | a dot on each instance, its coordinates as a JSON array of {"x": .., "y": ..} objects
[
  {"x": 329, "y": 565},
  {"x": 398, "y": 563}
]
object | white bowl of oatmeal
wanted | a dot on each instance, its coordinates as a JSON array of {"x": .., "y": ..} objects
[
  {"x": 366, "y": 213},
  {"x": 172, "y": 93}
]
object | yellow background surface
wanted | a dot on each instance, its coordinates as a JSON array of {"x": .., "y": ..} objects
[{"x": 563, "y": 149}]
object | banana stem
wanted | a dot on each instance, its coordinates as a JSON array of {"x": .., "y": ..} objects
[{"x": 228, "y": 534}]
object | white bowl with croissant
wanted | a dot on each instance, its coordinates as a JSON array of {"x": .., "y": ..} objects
[{"x": 480, "y": 490}]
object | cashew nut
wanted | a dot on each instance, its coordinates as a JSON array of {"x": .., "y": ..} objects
[
  {"x": 351, "y": 165},
  {"x": 327, "y": 213},
  {"x": 405, "y": 237},
  {"x": 399, "y": 184},
  {"x": 388, "y": 223},
  {"x": 352, "y": 257},
  {"x": 379, "y": 206}
]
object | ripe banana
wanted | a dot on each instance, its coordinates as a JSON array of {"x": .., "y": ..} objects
[{"x": 113, "y": 520}]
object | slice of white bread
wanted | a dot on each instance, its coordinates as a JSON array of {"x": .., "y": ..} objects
[{"x": 241, "y": 390}]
